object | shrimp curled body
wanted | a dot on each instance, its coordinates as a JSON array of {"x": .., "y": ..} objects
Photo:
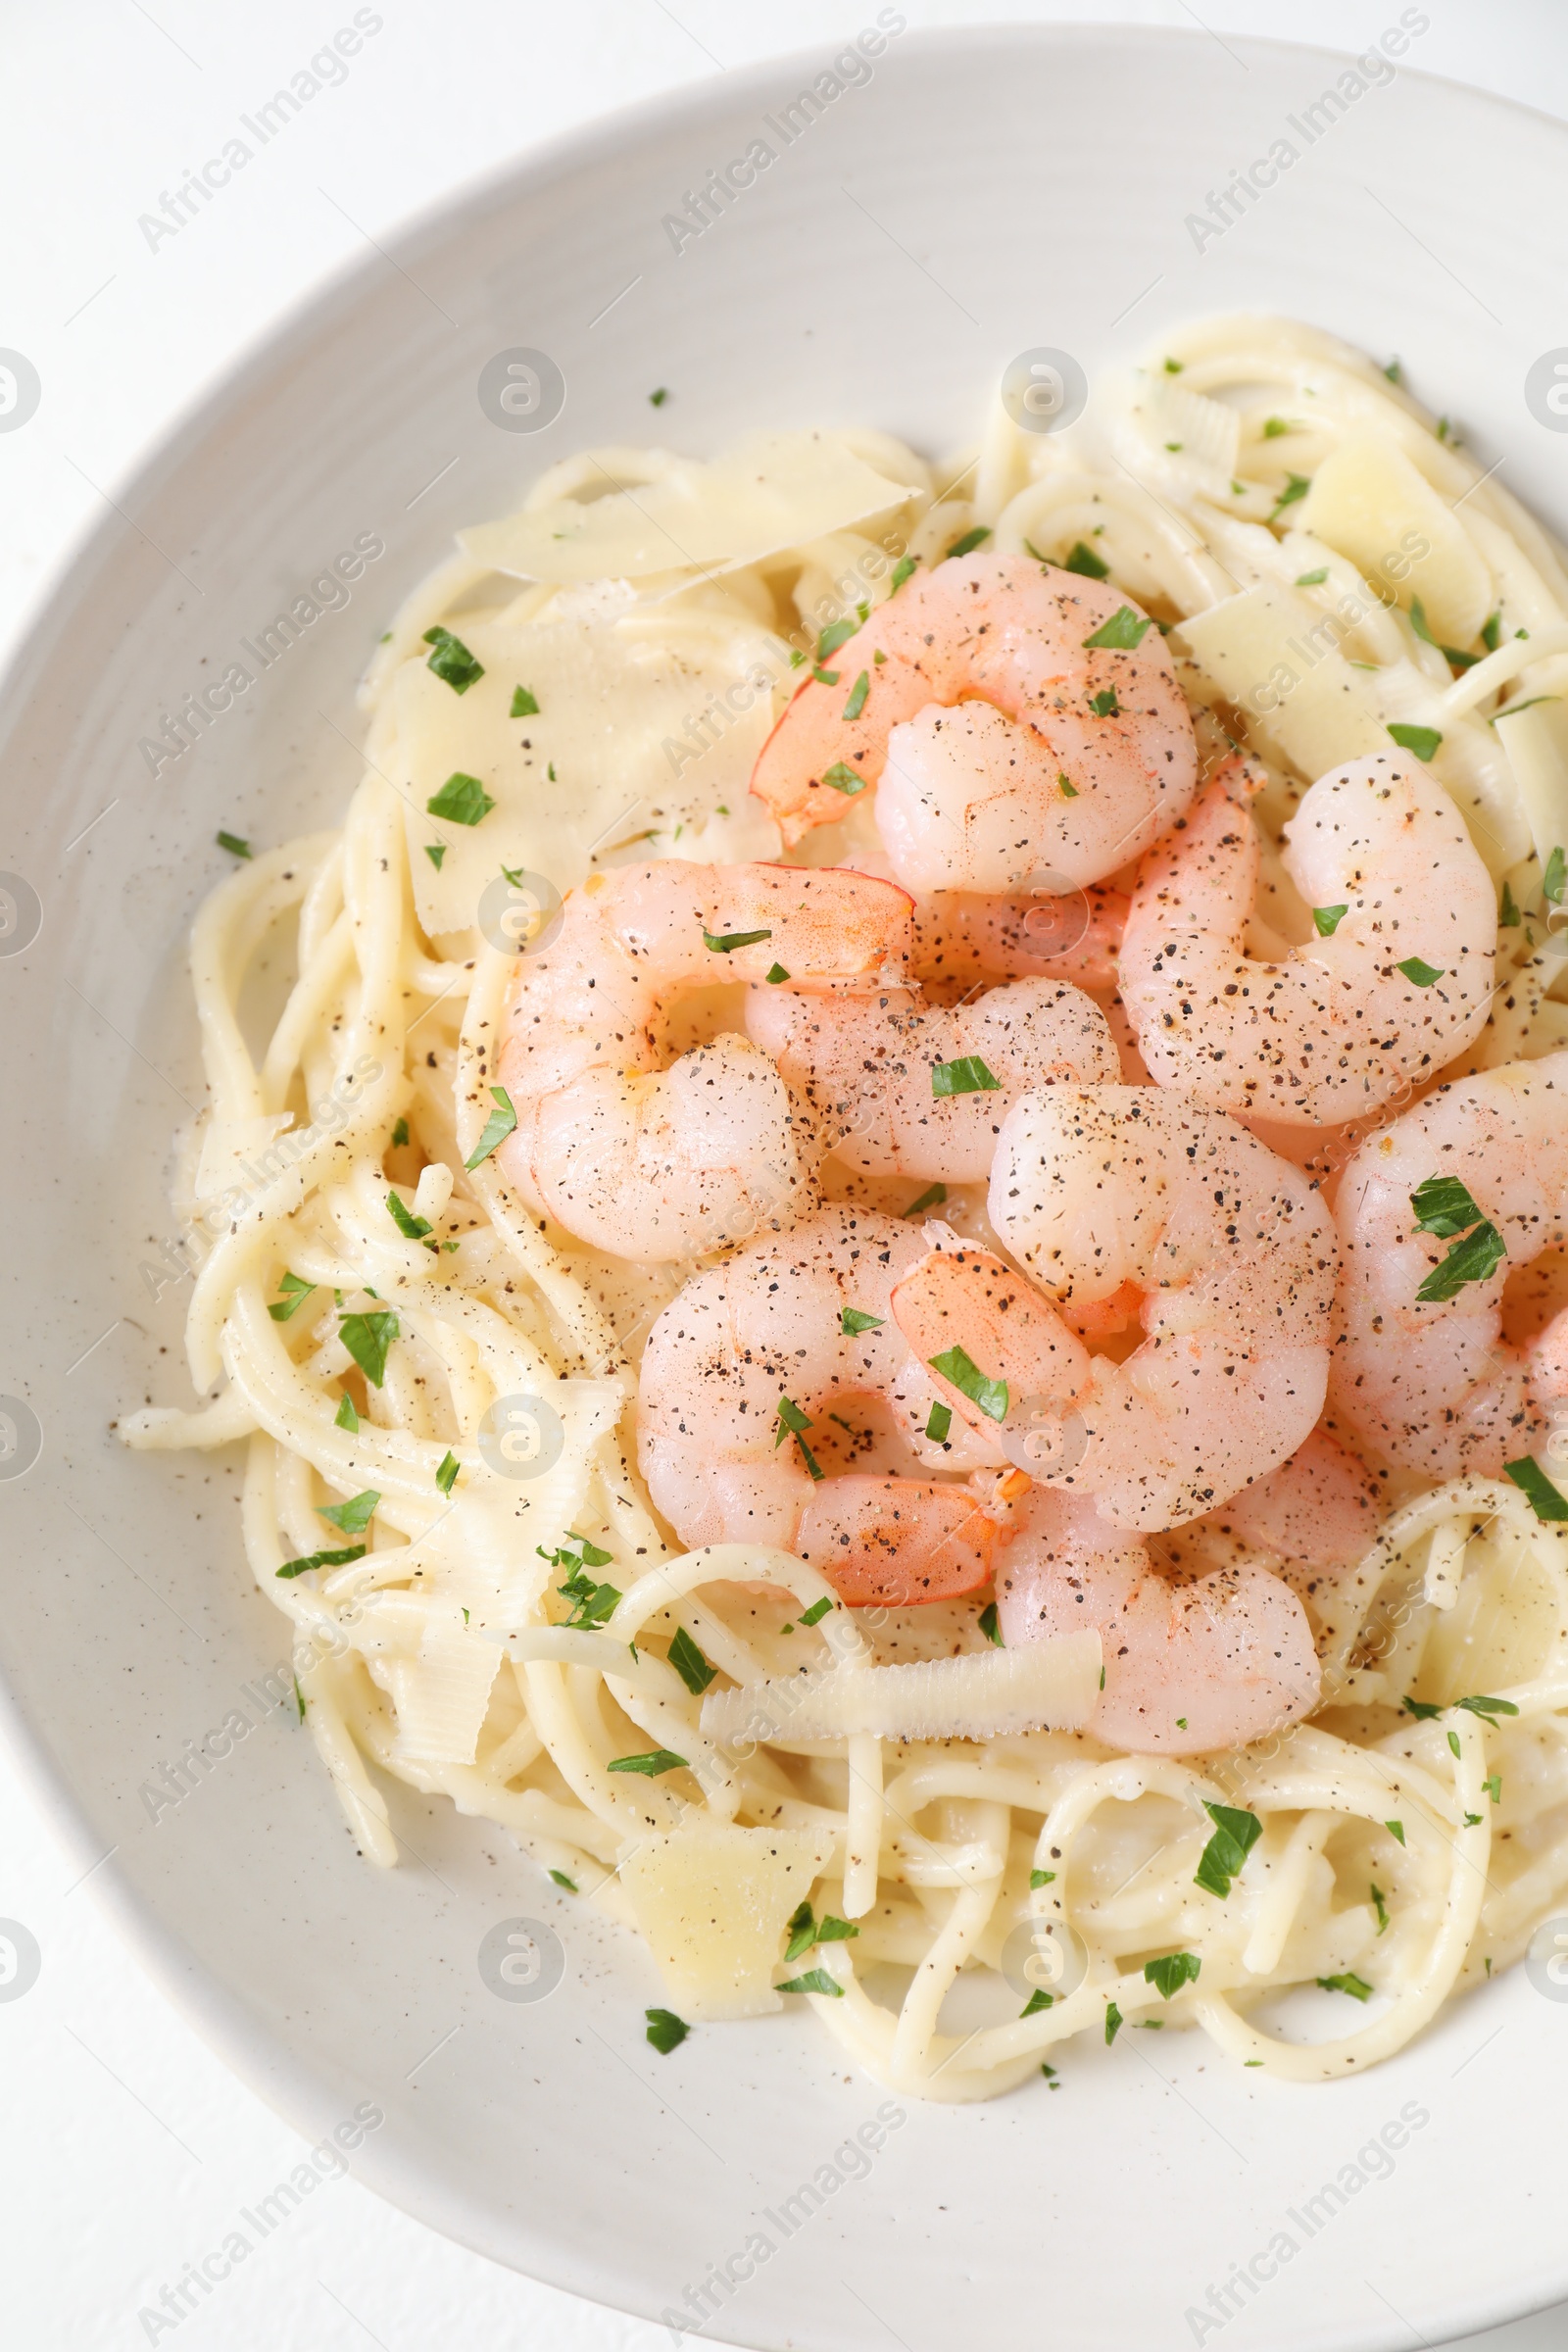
[
  {"x": 1432, "y": 1384},
  {"x": 654, "y": 1162},
  {"x": 804, "y": 1321},
  {"x": 1397, "y": 983},
  {"x": 1002, "y": 743}
]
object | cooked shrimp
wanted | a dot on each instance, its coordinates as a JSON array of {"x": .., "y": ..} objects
[
  {"x": 1316, "y": 1516},
  {"x": 1397, "y": 983},
  {"x": 1002, "y": 739},
  {"x": 653, "y": 1163},
  {"x": 763, "y": 1419},
  {"x": 869, "y": 1069},
  {"x": 1189, "y": 1667},
  {"x": 962, "y": 936},
  {"x": 1098, "y": 1188},
  {"x": 1483, "y": 1166}
]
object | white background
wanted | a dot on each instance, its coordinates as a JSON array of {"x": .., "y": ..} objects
[{"x": 125, "y": 2149}]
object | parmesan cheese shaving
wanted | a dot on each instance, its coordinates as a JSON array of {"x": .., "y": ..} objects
[
  {"x": 1049, "y": 1686},
  {"x": 713, "y": 1901}
]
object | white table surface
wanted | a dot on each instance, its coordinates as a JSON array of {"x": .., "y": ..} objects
[{"x": 125, "y": 2148}]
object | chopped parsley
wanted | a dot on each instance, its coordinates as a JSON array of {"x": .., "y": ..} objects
[
  {"x": 452, "y": 660},
  {"x": 497, "y": 1127},
  {"x": 1041, "y": 1878},
  {"x": 322, "y": 1559},
  {"x": 368, "y": 1337},
  {"x": 1068, "y": 790},
  {"x": 463, "y": 799},
  {"x": 1471, "y": 1819},
  {"x": 1297, "y": 485},
  {"x": 932, "y": 1197},
  {"x": 938, "y": 1423},
  {"x": 838, "y": 633},
  {"x": 1174, "y": 367},
  {"x": 435, "y": 851},
  {"x": 817, "y": 1610},
  {"x": 1313, "y": 579},
  {"x": 816, "y": 1980},
  {"x": 1382, "y": 1908},
  {"x": 1443, "y": 1206},
  {"x": 1121, "y": 633},
  {"x": 1473, "y": 1259},
  {"x": 1273, "y": 427},
  {"x": 1038, "y": 1999},
  {"x": 665, "y": 2030},
  {"x": 842, "y": 778},
  {"x": 1555, "y": 877},
  {"x": 802, "y": 1932},
  {"x": 651, "y": 1765},
  {"x": 824, "y": 678},
  {"x": 234, "y": 845},
  {"x": 353, "y": 1517},
  {"x": 777, "y": 974},
  {"x": 1494, "y": 1787},
  {"x": 1422, "y": 741},
  {"x": 295, "y": 1293},
  {"x": 1492, "y": 631},
  {"x": 1171, "y": 1972},
  {"x": 1326, "y": 920},
  {"x": 968, "y": 1075},
  {"x": 591, "y": 1604},
  {"x": 857, "y": 694},
  {"x": 400, "y": 1133},
  {"x": 689, "y": 1663},
  {"x": 853, "y": 1320},
  {"x": 1546, "y": 1500},
  {"x": 725, "y": 943},
  {"x": 1395, "y": 1829},
  {"x": 1419, "y": 974},
  {"x": 1357, "y": 1986},
  {"x": 562, "y": 1880},
  {"x": 901, "y": 570},
  {"x": 413, "y": 1228},
  {"x": 1084, "y": 561},
  {"x": 523, "y": 703},
  {"x": 971, "y": 539},
  {"x": 346, "y": 1417},
  {"x": 1112, "y": 2023},
  {"x": 446, "y": 1476},
  {"x": 989, "y": 1624},
  {"x": 990, "y": 1395},
  {"x": 1106, "y": 704},
  {"x": 656, "y": 400},
  {"x": 1476, "y": 1704},
  {"x": 1236, "y": 1833}
]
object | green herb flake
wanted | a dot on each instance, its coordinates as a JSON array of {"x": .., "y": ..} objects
[
  {"x": 689, "y": 1663},
  {"x": 435, "y": 851},
  {"x": 299, "y": 1696},
  {"x": 971, "y": 539},
  {"x": 938, "y": 1423},
  {"x": 842, "y": 778},
  {"x": 463, "y": 799},
  {"x": 1453, "y": 1744},
  {"x": 1419, "y": 974},
  {"x": 413, "y": 1228},
  {"x": 1473, "y": 1259},
  {"x": 651, "y": 1765},
  {"x": 1392, "y": 372},
  {"x": 1395, "y": 1829},
  {"x": 1106, "y": 704},
  {"x": 497, "y": 1127},
  {"x": 322, "y": 1559},
  {"x": 1357, "y": 1986},
  {"x": 839, "y": 633},
  {"x": 346, "y": 1417},
  {"x": 1171, "y": 1972},
  {"x": 1041, "y": 1878},
  {"x": 446, "y": 1476},
  {"x": 966, "y": 1374},
  {"x": 1444, "y": 1206},
  {"x": 1297, "y": 485},
  {"x": 853, "y": 1320},
  {"x": 1494, "y": 1787},
  {"x": 1273, "y": 427},
  {"x": 1326, "y": 920},
  {"x": 777, "y": 974},
  {"x": 1382, "y": 1908},
  {"x": 562, "y": 1880},
  {"x": 903, "y": 571},
  {"x": 1556, "y": 877},
  {"x": 1492, "y": 631},
  {"x": 836, "y": 1930},
  {"x": 1313, "y": 579},
  {"x": 452, "y": 660},
  {"x": 656, "y": 400},
  {"x": 1121, "y": 633},
  {"x": 1174, "y": 367},
  {"x": 725, "y": 943},
  {"x": 1084, "y": 561},
  {"x": 234, "y": 845},
  {"x": 351, "y": 1518},
  {"x": 368, "y": 1337},
  {"x": 857, "y": 694},
  {"x": 1544, "y": 1499},
  {"x": 523, "y": 703},
  {"x": 295, "y": 1293},
  {"x": 1478, "y": 1704},
  {"x": 1067, "y": 789},
  {"x": 816, "y": 1980},
  {"x": 817, "y": 1610},
  {"x": 990, "y": 1627},
  {"x": 1113, "y": 2022},
  {"x": 400, "y": 1133},
  {"x": 789, "y": 1421},
  {"x": 1236, "y": 1833},
  {"x": 825, "y": 677},
  {"x": 802, "y": 1932},
  {"x": 969, "y": 1075},
  {"x": 1038, "y": 1999},
  {"x": 1509, "y": 915},
  {"x": 932, "y": 1197},
  {"x": 1422, "y": 741},
  {"x": 1472, "y": 1819},
  {"x": 665, "y": 2030}
]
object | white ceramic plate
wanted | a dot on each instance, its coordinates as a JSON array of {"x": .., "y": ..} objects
[{"x": 982, "y": 193}]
